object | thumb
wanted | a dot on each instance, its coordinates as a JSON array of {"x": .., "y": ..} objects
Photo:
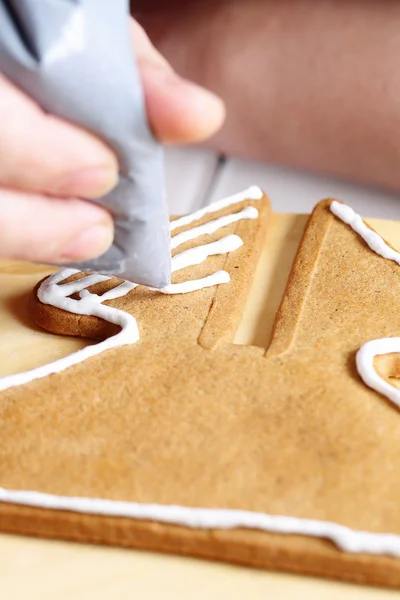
[{"x": 179, "y": 111}]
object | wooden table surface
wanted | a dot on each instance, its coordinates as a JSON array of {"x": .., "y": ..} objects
[{"x": 44, "y": 570}]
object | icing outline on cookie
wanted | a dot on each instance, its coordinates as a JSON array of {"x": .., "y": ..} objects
[
  {"x": 54, "y": 292},
  {"x": 345, "y": 538},
  {"x": 368, "y": 351}
]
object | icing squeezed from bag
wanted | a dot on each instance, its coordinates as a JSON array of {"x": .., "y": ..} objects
[
  {"x": 56, "y": 293},
  {"x": 365, "y": 356},
  {"x": 345, "y": 538}
]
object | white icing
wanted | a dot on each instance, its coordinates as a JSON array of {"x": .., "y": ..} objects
[
  {"x": 365, "y": 356},
  {"x": 117, "y": 292},
  {"x": 247, "y": 213},
  {"x": 197, "y": 284},
  {"x": 371, "y": 238},
  {"x": 195, "y": 256},
  {"x": 252, "y": 193},
  {"x": 365, "y": 366},
  {"x": 347, "y": 539},
  {"x": 55, "y": 293},
  {"x": 188, "y": 258}
]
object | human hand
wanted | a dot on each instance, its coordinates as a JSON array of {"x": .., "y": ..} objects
[{"x": 48, "y": 166}]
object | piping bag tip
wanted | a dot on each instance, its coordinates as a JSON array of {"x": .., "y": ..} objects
[{"x": 141, "y": 252}]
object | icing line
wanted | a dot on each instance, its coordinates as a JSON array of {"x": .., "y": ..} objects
[
  {"x": 365, "y": 366},
  {"x": 345, "y": 538},
  {"x": 251, "y": 193},
  {"x": 197, "y": 284},
  {"x": 195, "y": 256},
  {"x": 188, "y": 258},
  {"x": 50, "y": 291},
  {"x": 366, "y": 354},
  {"x": 247, "y": 213},
  {"x": 371, "y": 238},
  {"x": 54, "y": 292}
]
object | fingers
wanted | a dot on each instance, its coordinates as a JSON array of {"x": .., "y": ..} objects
[
  {"x": 44, "y": 154},
  {"x": 45, "y": 161},
  {"x": 41, "y": 153},
  {"x": 51, "y": 230},
  {"x": 179, "y": 111}
]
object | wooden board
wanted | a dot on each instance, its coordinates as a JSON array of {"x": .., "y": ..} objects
[{"x": 45, "y": 569}]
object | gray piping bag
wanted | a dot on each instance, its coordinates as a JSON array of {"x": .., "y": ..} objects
[{"x": 75, "y": 58}]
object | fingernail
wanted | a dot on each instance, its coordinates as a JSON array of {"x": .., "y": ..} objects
[
  {"x": 89, "y": 183},
  {"x": 88, "y": 244}
]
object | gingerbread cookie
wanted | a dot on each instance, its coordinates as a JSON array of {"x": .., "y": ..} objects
[{"x": 167, "y": 436}]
